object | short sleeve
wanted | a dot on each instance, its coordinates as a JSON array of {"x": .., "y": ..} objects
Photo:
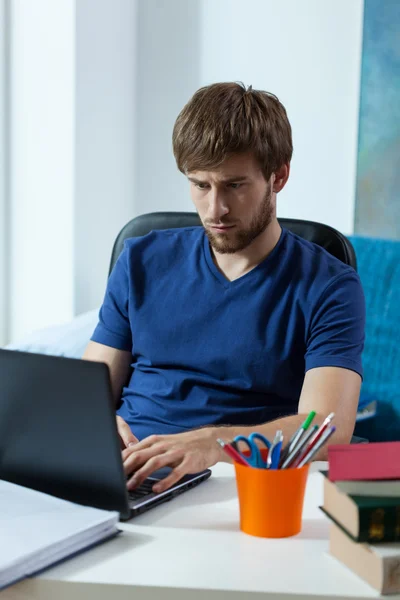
[
  {"x": 337, "y": 326},
  {"x": 114, "y": 328}
]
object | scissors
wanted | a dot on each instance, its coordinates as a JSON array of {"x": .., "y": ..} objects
[{"x": 255, "y": 458}]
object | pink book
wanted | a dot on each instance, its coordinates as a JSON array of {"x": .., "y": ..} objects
[{"x": 379, "y": 460}]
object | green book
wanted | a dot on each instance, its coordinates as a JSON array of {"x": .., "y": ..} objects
[{"x": 371, "y": 519}]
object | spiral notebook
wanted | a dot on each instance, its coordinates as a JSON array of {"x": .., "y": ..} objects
[{"x": 38, "y": 530}]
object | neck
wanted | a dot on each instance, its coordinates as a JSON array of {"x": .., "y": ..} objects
[{"x": 239, "y": 263}]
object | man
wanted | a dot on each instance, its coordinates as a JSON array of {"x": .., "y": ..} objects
[{"x": 236, "y": 326}]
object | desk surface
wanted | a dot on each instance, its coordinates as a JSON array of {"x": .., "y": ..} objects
[{"x": 191, "y": 547}]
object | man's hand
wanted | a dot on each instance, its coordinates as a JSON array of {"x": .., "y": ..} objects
[
  {"x": 126, "y": 436},
  {"x": 188, "y": 452}
]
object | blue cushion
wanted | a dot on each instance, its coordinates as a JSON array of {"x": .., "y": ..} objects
[{"x": 379, "y": 270}]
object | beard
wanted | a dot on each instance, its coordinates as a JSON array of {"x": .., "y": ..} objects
[{"x": 231, "y": 242}]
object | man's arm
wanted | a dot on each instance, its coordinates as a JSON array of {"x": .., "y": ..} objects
[
  {"x": 332, "y": 389},
  {"x": 118, "y": 362},
  {"x": 325, "y": 390}
]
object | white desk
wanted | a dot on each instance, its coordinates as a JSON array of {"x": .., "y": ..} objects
[{"x": 191, "y": 548}]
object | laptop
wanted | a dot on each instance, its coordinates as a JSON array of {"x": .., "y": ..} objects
[{"x": 58, "y": 434}]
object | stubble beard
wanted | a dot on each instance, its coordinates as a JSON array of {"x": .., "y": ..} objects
[{"x": 236, "y": 241}]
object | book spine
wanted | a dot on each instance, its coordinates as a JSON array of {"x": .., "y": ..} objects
[{"x": 379, "y": 524}]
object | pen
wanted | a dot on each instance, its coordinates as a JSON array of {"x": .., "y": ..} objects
[
  {"x": 320, "y": 431},
  {"x": 301, "y": 430},
  {"x": 274, "y": 451},
  {"x": 296, "y": 437},
  {"x": 232, "y": 453},
  {"x": 235, "y": 445},
  {"x": 291, "y": 459},
  {"x": 312, "y": 451}
]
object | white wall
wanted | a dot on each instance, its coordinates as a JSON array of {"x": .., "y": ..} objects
[
  {"x": 106, "y": 42},
  {"x": 42, "y": 162},
  {"x": 169, "y": 50},
  {"x": 95, "y": 89},
  {"x": 4, "y": 220},
  {"x": 72, "y": 158},
  {"x": 307, "y": 52}
]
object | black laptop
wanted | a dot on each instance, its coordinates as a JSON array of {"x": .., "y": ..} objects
[{"x": 58, "y": 434}]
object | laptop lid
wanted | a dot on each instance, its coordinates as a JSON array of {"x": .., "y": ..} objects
[{"x": 58, "y": 431}]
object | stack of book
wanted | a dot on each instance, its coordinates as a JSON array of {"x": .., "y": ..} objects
[{"x": 362, "y": 499}]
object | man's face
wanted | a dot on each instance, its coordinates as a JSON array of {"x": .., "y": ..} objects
[{"x": 234, "y": 202}]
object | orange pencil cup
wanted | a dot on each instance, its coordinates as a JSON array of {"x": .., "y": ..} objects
[{"x": 271, "y": 501}]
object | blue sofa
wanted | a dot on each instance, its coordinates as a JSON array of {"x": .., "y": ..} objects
[{"x": 379, "y": 270}]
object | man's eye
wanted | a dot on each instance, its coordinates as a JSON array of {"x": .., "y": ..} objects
[
  {"x": 201, "y": 186},
  {"x": 234, "y": 186}
]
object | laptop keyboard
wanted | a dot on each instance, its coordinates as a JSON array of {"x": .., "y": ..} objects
[{"x": 144, "y": 489}]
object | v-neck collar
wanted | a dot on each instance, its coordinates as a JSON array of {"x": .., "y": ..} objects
[{"x": 261, "y": 267}]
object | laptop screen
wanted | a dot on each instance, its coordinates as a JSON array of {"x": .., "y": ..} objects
[{"x": 57, "y": 429}]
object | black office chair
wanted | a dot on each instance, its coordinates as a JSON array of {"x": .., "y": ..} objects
[{"x": 329, "y": 238}]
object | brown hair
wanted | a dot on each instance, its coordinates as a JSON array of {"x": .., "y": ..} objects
[{"x": 225, "y": 118}]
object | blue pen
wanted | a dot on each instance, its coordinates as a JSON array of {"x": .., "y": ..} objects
[
  {"x": 276, "y": 455},
  {"x": 275, "y": 451}
]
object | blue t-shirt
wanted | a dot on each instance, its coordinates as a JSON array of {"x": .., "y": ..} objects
[{"x": 208, "y": 351}]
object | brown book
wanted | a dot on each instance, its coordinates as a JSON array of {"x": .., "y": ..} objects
[
  {"x": 365, "y": 518},
  {"x": 378, "y": 565}
]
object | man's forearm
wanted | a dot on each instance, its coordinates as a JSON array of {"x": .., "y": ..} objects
[{"x": 288, "y": 425}]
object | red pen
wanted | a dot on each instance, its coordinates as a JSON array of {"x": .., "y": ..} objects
[
  {"x": 314, "y": 440},
  {"x": 232, "y": 453}
]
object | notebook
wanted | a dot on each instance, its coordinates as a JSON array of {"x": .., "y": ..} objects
[{"x": 38, "y": 530}]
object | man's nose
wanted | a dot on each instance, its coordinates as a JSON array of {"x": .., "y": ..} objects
[{"x": 217, "y": 207}]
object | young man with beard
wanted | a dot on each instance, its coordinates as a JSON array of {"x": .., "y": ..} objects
[{"x": 213, "y": 331}]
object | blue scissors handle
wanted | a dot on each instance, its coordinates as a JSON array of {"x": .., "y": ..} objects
[{"x": 255, "y": 459}]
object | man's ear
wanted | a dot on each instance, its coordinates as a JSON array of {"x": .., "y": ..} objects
[{"x": 281, "y": 177}]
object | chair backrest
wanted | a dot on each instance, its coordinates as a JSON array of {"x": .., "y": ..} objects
[{"x": 325, "y": 236}]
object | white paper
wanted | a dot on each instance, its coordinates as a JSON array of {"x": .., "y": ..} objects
[{"x": 37, "y": 530}]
